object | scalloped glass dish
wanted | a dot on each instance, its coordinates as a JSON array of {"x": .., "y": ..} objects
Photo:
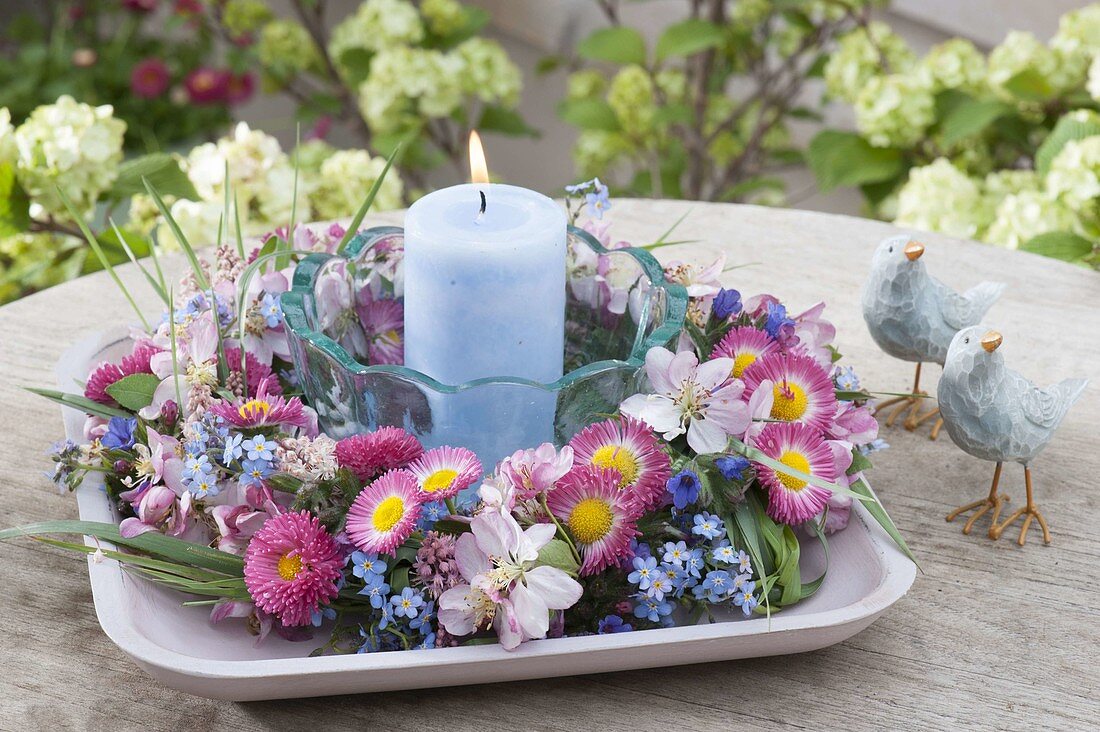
[{"x": 618, "y": 306}]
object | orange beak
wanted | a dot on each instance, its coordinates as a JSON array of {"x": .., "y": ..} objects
[
  {"x": 913, "y": 250},
  {"x": 991, "y": 341}
]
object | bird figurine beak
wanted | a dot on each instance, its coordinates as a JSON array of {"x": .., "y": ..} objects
[
  {"x": 991, "y": 341},
  {"x": 913, "y": 250}
]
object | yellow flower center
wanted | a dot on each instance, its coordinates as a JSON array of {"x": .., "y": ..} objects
[
  {"x": 388, "y": 513},
  {"x": 591, "y": 520},
  {"x": 440, "y": 480},
  {"x": 742, "y": 362},
  {"x": 253, "y": 408},
  {"x": 790, "y": 402},
  {"x": 797, "y": 461},
  {"x": 619, "y": 458},
  {"x": 290, "y": 566}
]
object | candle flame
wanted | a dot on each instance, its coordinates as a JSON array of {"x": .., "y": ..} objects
[{"x": 479, "y": 169}]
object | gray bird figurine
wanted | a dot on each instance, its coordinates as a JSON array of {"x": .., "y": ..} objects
[
  {"x": 995, "y": 414},
  {"x": 913, "y": 316}
]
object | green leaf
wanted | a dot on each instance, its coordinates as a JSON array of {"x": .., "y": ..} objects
[
  {"x": 548, "y": 64},
  {"x": 160, "y": 169},
  {"x": 80, "y": 403},
  {"x": 495, "y": 118},
  {"x": 971, "y": 117},
  {"x": 1067, "y": 130},
  {"x": 1030, "y": 85},
  {"x": 859, "y": 463},
  {"x": 1062, "y": 245},
  {"x": 875, "y": 509},
  {"x": 353, "y": 227},
  {"x": 619, "y": 45},
  {"x": 687, "y": 38},
  {"x": 589, "y": 114},
  {"x": 15, "y": 215},
  {"x": 161, "y": 545},
  {"x": 846, "y": 159},
  {"x": 556, "y": 553},
  {"x": 135, "y": 391}
]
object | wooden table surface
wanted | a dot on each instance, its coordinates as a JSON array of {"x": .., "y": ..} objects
[{"x": 991, "y": 636}]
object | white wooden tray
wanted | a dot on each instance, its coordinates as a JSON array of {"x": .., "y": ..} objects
[{"x": 178, "y": 646}]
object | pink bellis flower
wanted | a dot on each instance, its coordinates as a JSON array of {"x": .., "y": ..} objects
[
  {"x": 502, "y": 586},
  {"x": 263, "y": 410},
  {"x": 699, "y": 399}
]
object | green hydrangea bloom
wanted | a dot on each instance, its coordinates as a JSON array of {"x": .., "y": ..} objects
[
  {"x": 940, "y": 197},
  {"x": 242, "y": 17},
  {"x": 895, "y": 110},
  {"x": 1021, "y": 51},
  {"x": 585, "y": 84},
  {"x": 955, "y": 64},
  {"x": 597, "y": 150},
  {"x": 487, "y": 72},
  {"x": 1021, "y": 217},
  {"x": 443, "y": 17},
  {"x": 1074, "y": 175},
  {"x": 1077, "y": 42},
  {"x": 70, "y": 145},
  {"x": 631, "y": 98},
  {"x": 859, "y": 56},
  {"x": 285, "y": 46},
  {"x": 377, "y": 25},
  {"x": 406, "y": 84},
  {"x": 345, "y": 177}
]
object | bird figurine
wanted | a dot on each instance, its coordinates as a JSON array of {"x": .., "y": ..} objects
[
  {"x": 912, "y": 316},
  {"x": 995, "y": 414}
]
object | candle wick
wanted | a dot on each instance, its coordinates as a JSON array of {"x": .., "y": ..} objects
[{"x": 481, "y": 211}]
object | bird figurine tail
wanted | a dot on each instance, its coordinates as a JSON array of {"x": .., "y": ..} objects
[
  {"x": 983, "y": 296},
  {"x": 1069, "y": 390}
]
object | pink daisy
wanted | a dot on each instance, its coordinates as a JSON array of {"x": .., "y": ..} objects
[
  {"x": 385, "y": 513},
  {"x": 791, "y": 500},
  {"x": 372, "y": 454},
  {"x": 383, "y": 321},
  {"x": 107, "y": 374},
  {"x": 628, "y": 446},
  {"x": 599, "y": 515},
  {"x": 745, "y": 345},
  {"x": 291, "y": 567},
  {"x": 444, "y": 471},
  {"x": 265, "y": 409},
  {"x": 801, "y": 388}
]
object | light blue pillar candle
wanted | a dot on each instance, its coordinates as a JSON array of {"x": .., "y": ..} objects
[{"x": 485, "y": 297}]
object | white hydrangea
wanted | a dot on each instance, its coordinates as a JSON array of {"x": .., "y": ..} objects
[
  {"x": 144, "y": 215},
  {"x": 1022, "y": 216},
  {"x": 895, "y": 110},
  {"x": 1094, "y": 79},
  {"x": 1002, "y": 183},
  {"x": 1078, "y": 40},
  {"x": 954, "y": 64},
  {"x": 1074, "y": 175},
  {"x": 72, "y": 145},
  {"x": 198, "y": 220},
  {"x": 940, "y": 197},
  {"x": 7, "y": 138},
  {"x": 346, "y": 178},
  {"x": 405, "y": 84},
  {"x": 487, "y": 72},
  {"x": 443, "y": 17},
  {"x": 377, "y": 25},
  {"x": 1021, "y": 51},
  {"x": 859, "y": 56}
]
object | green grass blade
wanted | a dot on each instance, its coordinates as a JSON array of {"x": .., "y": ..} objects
[
  {"x": 153, "y": 282},
  {"x": 94, "y": 244},
  {"x": 79, "y": 402},
  {"x": 180, "y": 406},
  {"x": 188, "y": 250},
  {"x": 356, "y": 220},
  {"x": 876, "y": 509}
]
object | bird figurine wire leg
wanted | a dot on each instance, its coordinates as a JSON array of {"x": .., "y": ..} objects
[
  {"x": 911, "y": 423},
  {"x": 1029, "y": 512},
  {"x": 994, "y": 501}
]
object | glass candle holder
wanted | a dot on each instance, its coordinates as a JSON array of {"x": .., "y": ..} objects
[{"x": 344, "y": 320}]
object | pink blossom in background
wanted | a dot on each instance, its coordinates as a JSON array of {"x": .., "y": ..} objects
[
  {"x": 205, "y": 85},
  {"x": 149, "y": 78},
  {"x": 239, "y": 88}
]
